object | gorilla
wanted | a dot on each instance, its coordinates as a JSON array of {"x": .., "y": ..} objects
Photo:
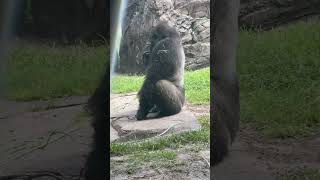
[
  {"x": 162, "y": 91},
  {"x": 224, "y": 95},
  {"x": 98, "y": 105}
]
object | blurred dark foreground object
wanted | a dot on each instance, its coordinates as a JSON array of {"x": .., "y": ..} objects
[
  {"x": 11, "y": 12},
  {"x": 60, "y": 20}
]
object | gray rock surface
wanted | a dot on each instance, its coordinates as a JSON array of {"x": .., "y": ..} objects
[
  {"x": 11, "y": 108},
  {"x": 271, "y": 13},
  {"x": 123, "y": 110},
  {"x": 191, "y": 18},
  {"x": 113, "y": 134}
]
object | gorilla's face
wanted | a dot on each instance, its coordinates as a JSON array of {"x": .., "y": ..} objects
[{"x": 162, "y": 31}]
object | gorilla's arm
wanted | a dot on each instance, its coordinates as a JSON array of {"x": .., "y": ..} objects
[
  {"x": 225, "y": 108},
  {"x": 96, "y": 165},
  {"x": 145, "y": 99}
]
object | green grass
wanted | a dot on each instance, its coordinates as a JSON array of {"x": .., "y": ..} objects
[
  {"x": 140, "y": 160},
  {"x": 43, "y": 72},
  {"x": 162, "y": 151},
  {"x": 304, "y": 174},
  {"x": 126, "y": 84},
  {"x": 280, "y": 79},
  {"x": 197, "y": 85},
  {"x": 172, "y": 141}
]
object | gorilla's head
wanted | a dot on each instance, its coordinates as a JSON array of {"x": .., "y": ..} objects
[{"x": 161, "y": 31}]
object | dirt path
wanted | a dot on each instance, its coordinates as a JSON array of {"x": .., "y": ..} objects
[
  {"x": 45, "y": 137},
  {"x": 255, "y": 157}
]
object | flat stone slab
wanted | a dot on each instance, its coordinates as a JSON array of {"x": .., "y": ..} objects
[
  {"x": 10, "y": 108},
  {"x": 124, "y": 108},
  {"x": 52, "y": 140},
  {"x": 113, "y": 134}
]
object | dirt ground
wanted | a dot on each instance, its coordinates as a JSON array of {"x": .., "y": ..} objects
[
  {"x": 45, "y": 140},
  {"x": 50, "y": 139},
  {"x": 254, "y": 157}
]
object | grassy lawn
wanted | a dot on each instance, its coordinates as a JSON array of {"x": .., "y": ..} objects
[
  {"x": 303, "y": 174},
  {"x": 280, "y": 80},
  {"x": 43, "y": 72},
  {"x": 197, "y": 85}
]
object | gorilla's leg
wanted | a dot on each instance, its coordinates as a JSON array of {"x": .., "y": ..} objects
[
  {"x": 163, "y": 96},
  {"x": 225, "y": 108},
  {"x": 168, "y": 98},
  {"x": 96, "y": 165},
  {"x": 145, "y": 99}
]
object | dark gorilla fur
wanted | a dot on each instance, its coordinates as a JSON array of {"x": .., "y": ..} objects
[
  {"x": 96, "y": 165},
  {"x": 225, "y": 108},
  {"x": 162, "y": 90}
]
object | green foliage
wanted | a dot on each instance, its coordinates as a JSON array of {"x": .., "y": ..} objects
[
  {"x": 173, "y": 141},
  {"x": 156, "y": 159},
  {"x": 280, "y": 79},
  {"x": 125, "y": 84},
  {"x": 43, "y": 72},
  {"x": 197, "y": 85},
  {"x": 303, "y": 174}
]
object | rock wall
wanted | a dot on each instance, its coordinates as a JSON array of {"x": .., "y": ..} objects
[
  {"x": 267, "y": 14},
  {"x": 191, "y": 18}
]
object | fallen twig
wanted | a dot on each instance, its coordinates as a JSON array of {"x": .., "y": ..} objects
[
  {"x": 42, "y": 145},
  {"x": 46, "y": 143},
  {"x": 32, "y": 175},
  {"x": 168, "y": 129},
  {"x": 208, "y": 163},
  {"x": 64, "y": 106}
]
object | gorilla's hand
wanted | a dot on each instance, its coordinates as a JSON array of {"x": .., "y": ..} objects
[
  {"x": 140, "y": 114},
  {"x": 145, "y": 58}
]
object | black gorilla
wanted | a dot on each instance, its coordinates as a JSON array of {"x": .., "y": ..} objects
[
  {"x": 96, "y": 165},
  {"x": 225, "y": 108},
  {"x": 162, "y": 90}
]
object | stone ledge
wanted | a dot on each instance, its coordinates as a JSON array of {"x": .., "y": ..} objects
[{"x": 123, "y": 110}]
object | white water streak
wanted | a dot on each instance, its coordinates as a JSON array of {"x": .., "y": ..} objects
[{"x": 118, "y": 37}]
